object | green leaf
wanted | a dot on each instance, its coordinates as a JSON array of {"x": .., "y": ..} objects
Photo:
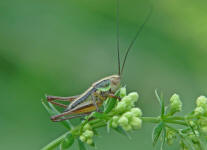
[
  {"x": 105, "y": 89},
  {"x": 185, "y": 138},
  {"x": 93, "y": 145},
  {"x": 163, "y": 139},
  {"x": 98, "y": 115},
  {"x": 49, "y": 110},
  {"x": 110, "y": 103},
  {"x": 188, "y": 142},
  {"x": 53, "y": 111},
  {"x": 68, "y": 142},
  {"x": 156, "y": 132},
  {"x": 162, "y": 106},
  {"x": 108, "y": 126},
  {"x": 81, "y": 145},
  {"x": 202, "y": 139},
  {"x": 122, "y": 131},
  {"x": 158, "y": 98},
  {"x": 161, "y": 102},
  {"x": 55, "y": 142},
  {"x": 95, "y": 132}
]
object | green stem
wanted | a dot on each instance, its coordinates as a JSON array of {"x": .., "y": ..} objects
[
  {"x": 97, "y": 123},
  {"x": 175, "y": 118},
  {"x": 179, "y": 117},
  {"x": 176, "y": 122},
  {"x": 56, "y": 142},
  {"x": 151, "y": 119}
]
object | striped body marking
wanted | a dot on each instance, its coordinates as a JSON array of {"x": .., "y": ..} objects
[
  {"x": 92, "y": 99},
  {"x": 99, "y": 84}
]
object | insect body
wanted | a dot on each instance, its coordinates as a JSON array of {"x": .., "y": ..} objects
[
  {"x": 112, "y": 81},
  {"x": 93, "y": 97},
  {"x": 90, "y": 100}
]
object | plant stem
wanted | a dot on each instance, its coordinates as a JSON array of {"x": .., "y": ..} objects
[
  {"x": 176, "y": 122},
  {"x": 56, "y": 142},
  {"x": 97, "y": 123},
  {"x": 175, "y": 118},
  {"x": 151, "y": 119}
]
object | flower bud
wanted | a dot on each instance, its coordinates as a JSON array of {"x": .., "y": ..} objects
[
  {"x": 174, "y": 97},
  {"x": 82, "y": 138},
  {"x": 89, "y": 141},
  {"x": 115, "y": 118},
  {"x": 122, "y": 92},
  {"x": 194, "y": 136},
  {"x": 127, "y": 127},
  {"x": 134, "y": 96},
  {"x": 136, "y": 123},
  {"x": 183, "y": 146},
  {"x": 136, "y": 112},
  {"x": 204, "y": 129},
  {"x": 202, "y": 121},
  {"x": 123, "y": 121},
  {"x": 127, "y": 100},
  {"x": 88, "y": 134},
  {"x": 175, "y": 103},
  {"x": 114, "y": 124},
  {"x": 192, "y": 123},
  {"x": 171, "y": 135},
  {"x": 120, "y": 107},
  {"x": 87, "y": 127},
  {"x": 128, "y": 108},
  {"x": 128, "y": 115},
  {"x": 202, "y": 102},
  {"x": 199, "y": 111}
]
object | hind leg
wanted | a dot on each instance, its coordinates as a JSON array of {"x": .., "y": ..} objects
[
  {"x": 70, "y": 98},
  {"x": 51, "y": 99},
  {"x": 58, "y": 119}
]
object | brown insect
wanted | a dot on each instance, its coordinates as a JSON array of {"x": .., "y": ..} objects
[{"x": 93, "y": 97}]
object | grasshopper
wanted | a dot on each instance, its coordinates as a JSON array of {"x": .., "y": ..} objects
[{"x": 93, "y": 97}]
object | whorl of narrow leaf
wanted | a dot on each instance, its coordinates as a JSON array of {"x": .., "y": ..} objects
[
  {"x": 157, "y": 132},
  {"x": 122, "y": 116}
]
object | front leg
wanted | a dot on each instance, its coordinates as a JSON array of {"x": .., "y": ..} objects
[
  {"x": 111, "y": 95},
  {"x": 94, "y": 102},
  {"x": 105, "y": 95}
]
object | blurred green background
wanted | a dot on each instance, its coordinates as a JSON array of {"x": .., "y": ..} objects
[{"x": 61, "y": 47}]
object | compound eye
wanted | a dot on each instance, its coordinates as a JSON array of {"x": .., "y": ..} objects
[{"x": 115, "y": 81}]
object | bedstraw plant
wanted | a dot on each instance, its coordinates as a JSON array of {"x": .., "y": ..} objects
[{"x": 122, "y": 115}]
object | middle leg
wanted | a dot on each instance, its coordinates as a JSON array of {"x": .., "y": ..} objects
[{"x": 94, "y": 102}]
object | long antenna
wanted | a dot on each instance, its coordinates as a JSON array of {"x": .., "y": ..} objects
[
  {"x": 117, "y": 35},
  {"x": 134, "y": 39}
]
